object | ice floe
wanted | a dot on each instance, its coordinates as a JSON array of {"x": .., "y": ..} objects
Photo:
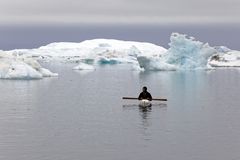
[{"x": 17, "y": 67}]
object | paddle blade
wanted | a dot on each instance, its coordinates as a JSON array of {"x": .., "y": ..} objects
[{"x": 154, "y": 99}]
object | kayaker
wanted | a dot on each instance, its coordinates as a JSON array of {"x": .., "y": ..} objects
[{"x": 145, "y": 94}]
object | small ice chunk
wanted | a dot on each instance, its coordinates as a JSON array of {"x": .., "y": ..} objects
[
  {"x": 84, "y": 66},
  {"x": 47, "y": 73}
]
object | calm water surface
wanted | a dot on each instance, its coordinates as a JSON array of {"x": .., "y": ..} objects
[{"x": 80, "y": 115}]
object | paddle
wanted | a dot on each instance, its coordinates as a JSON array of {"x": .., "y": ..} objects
[{"x": 154, "y": 99}]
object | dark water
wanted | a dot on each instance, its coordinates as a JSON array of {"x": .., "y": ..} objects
[
  {"x": 80, "y": 115},
  {"x": 15, "y": 37}
]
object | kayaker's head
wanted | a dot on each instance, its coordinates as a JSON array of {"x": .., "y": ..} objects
[{"x": 144, "y": 89}]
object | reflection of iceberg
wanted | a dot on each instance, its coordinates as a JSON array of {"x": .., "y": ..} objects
[
  {"x": 12, "y": 67},
  {"x": 83, "y": 66}
]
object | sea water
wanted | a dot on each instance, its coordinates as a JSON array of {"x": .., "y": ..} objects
[{"x": 81, "y": 115}]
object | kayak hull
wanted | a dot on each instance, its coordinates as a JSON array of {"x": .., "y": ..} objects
[{"x": 144, "y": 103}]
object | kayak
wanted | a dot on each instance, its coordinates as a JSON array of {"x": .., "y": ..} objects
[
  {"x": 144, "y": 103},
  {"x": 155, "y": 99}
]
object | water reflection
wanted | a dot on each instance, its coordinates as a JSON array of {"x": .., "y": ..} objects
[
  {"x": 84, "y": 72},
  {"x": 145, "y": 123},
  {"x": 143, "y": 109},
  {"x": 146, "y": 117},
  {"x": 145, "y": 112}
]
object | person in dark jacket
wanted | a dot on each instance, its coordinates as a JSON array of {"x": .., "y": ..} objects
[{"x": 145, "y": 94}]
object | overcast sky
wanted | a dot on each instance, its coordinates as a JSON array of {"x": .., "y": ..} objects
[{"x": 119, "y": 11}]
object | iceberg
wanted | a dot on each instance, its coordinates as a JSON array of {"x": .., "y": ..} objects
[
  {"x": 184, "y": 53},
  {"x": 187, "y": 53},
  {"x": 222, "y": 49},
  {"x": 98, "y": 51},
  {"x": 12, "y": 67},
  {"x": 155, "y": 64},
  {"x": 227, "y": 59}
]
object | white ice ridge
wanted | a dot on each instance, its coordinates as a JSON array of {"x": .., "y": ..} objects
[
  {"x": 227, "y": 59},
  {"x": 184, "y": 53},
  {"x": 94, "y": 52},
  {"x": 98, "y": 51},
  {"x": 13, "y": 67}
]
